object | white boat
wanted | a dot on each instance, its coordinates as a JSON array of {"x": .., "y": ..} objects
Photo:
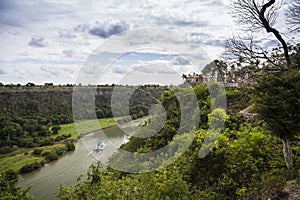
[{"x": 99, "y": 146}]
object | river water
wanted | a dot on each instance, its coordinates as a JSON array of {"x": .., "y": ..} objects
[{"x": 45, "y": 181}]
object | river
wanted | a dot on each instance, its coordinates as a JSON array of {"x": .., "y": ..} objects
[{"x": 45, "y": 181}]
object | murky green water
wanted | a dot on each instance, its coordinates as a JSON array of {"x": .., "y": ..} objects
[{"x": 45, "y": 181}]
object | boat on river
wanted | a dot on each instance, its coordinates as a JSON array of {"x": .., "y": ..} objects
[{"x": 99, "y": 146}]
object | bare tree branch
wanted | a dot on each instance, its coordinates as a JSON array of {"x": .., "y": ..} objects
[
  {"x": 246, "y": 13},
  {"x": 256, "y": 16},
  {"x": 247, "y": 50},
  {"x": 269, "y": 29},
  {"x": 293, "y": 15}
]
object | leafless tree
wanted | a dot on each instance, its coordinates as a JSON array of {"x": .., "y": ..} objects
[
  {"x": 248, "y": 51},
  {"x": 293, "y": 15},
  {"x": 256, "y": 15}
]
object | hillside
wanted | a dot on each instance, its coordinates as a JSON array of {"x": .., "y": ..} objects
[{"x": 245, "y": 162}]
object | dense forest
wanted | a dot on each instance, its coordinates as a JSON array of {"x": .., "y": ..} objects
[{"x": 31, "y": 114}]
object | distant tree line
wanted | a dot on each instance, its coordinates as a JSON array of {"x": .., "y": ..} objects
[{"x": 28, "y": 117}]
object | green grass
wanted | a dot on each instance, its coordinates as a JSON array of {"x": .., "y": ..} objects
[
  {"x": 16, "y": 162},
  {"x": 84, "y": 127},
  {"x": 17, "y": 159}
]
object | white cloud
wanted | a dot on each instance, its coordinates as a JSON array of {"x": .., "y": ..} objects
[
  {"x": 120, "y": 70},
  {"x": 107, "y": 29},
  {"x": 179, "y": 60},
  {"x": 58, "y": 74},
  {"x": 37, "y": 42},
  {"x": 66, "y": 34},
  {"x": 71, "y": 30},
  {"x": 68, "y": 53},
  {"x": 2, "y": 71}
]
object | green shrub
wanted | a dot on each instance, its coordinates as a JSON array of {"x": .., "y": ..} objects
[
  {"x": 58, "y": 138},
  {"x": 61, "y": 150},
  {"x": 6, "y": 150},
  {"x": 62, "y": 137},
  {"x": 46, "y": 141},
  {"x": 9, "y": 188},
  {"x": 30, "y": 167},
  {"x": 25, "y": 142},
  {"x": 50, "y": 155},
  {"x": 55, "y": 129},
  {"x": 70, "y": 146}
]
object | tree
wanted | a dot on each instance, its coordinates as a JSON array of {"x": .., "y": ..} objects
[
  {"x": 276, "y": 100},
  {"x": 272, "y": 94},
  {"x": 55, "y": 129},
  {"x": 256, "y": 16},
  {"x": 252, "y": 58},
  {"x": 29, "y": 84},
  {"x": 296, "y": 57},
  {"x": 8, "y": 188},
  {"x": 293, "y": 15},
  {"x": 218, "y": 66}
]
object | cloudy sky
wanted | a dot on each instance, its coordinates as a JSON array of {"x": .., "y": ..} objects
[{"x": 59, "y": 41}]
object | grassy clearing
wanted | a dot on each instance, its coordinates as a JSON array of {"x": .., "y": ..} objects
[
  {"x": 16, "y": 160},
  {"x": 84, "y": 127}
]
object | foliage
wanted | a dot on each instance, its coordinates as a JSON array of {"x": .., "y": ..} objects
[
  {"x": 30, "y": 167},
  {"x": 217, "y": 118},
  {"x": 32, "y": 116},
  {"x": 238, "y": 99},
  {"x": 216, "y": 66},
  {"x": 70, "y": 147},
  {"x": 50, "y": 156},
  {"x": 37, "y": 152},
  {"x": 276, "y": 100},
  {"x": 15, "y": 158},
  {"x": 9, "y": 190},
  {"x": 244, "y": 163},
  {"x": 55, "y": 129}
]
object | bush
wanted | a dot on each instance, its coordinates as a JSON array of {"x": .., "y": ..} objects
[
  {"x": 134, "y": 116},
  {"x": 61, "y": 150},
  {"x": 55, "y": 129},
  {"x": 9, "y": 188},
  {"x": 62, "y": 137},
  {"x": 58, "y": 138},
  {"x": 6, "y": 150},
  {"x": 50, "y": 155},
  {"x": 46, "y": 141},
  {"x": 30, "y": 167},
  {"x": 25, "y": 142},
  {"x": 37, "y": 152},
  {"x": 123, "y": 120},
  {"x": 70, "y": 146}
]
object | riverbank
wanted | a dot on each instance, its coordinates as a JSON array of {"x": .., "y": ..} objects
[
  {"x": 28, "y": 159},
  {"x": 46, "y": 181}
]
